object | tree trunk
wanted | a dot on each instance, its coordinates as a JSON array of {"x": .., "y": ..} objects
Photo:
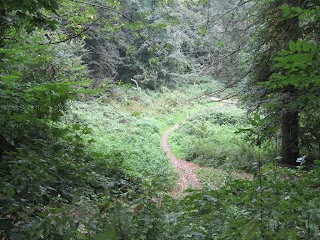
[
  {"x": 290, "y": 138},
  {"x": 290, "y": 119}
]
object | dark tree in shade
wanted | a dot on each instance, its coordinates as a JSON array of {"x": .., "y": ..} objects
[{"x": 283, "y": 81}]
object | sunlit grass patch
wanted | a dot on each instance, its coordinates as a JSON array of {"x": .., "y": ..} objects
[
  {"x": 207, "y": 137},
  {"x": 212, "y": 178}
]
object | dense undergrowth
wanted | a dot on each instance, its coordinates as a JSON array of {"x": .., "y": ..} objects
[
  {"x": 130, "y": 140},
  {"x": 209, "y": 138},
  {"x": 106, "y": 177}
]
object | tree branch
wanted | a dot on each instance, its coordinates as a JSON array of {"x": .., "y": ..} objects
[{"x": 75, "y": 35}]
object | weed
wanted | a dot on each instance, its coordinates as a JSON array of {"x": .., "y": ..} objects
[{"x": 208, "y": 138}]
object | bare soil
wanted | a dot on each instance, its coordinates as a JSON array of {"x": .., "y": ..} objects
[{"x": 187, "y": 170}]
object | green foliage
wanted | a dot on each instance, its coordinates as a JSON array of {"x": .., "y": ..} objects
[
  {"x": 213, "y": 178},
  {"x": 37, "y": 81},
  {"x": 83, "y": 189},
  {"x": 95, "y": 170},
  {"x": 239, "y": 210},
  {"x": 288, "y": 81},
  {"x": 208, "y": 138},
  {"x": 132, "y": 140},
  {"x": 33, "y": 12},
  {"x": 48, "y": 193},
  {"x": 43, "y": 166},
  {"x": 310, "y": 15},
  {"x": 298, "y": 67}
]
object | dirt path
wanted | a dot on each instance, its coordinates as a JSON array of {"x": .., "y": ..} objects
[{"x": 187, "y": 170}]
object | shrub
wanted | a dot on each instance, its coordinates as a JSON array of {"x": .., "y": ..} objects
[{"x": 208, "y": 138}]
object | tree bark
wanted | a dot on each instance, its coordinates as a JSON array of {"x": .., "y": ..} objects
[{"x": 290, "y": 138}]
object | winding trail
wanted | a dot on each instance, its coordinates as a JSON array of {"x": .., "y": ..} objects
[{"x": 187, "y": 170}]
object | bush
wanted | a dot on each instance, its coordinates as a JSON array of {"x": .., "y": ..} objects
[
  {"x": 208, "y": 138},
  {"x": 117, "y": 132}
]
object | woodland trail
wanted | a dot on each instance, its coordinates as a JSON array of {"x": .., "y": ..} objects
[{"x": 187, "y": 170}]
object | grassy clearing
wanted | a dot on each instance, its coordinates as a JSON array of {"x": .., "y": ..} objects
[
  {"x": 213, "y": 178},
  {"x": 208, "y": 138},
  {"x": 127, "y": 125},
  {"x": 131, "y": 141}
]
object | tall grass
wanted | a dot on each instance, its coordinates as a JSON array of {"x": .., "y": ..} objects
[
  {"x": 127, "y": 124},
  {"x": 130, "y": 140},
  {"x": 208, "y": 138}
]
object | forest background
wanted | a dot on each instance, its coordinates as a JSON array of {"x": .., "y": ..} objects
[{"x": 88, "y": 87}]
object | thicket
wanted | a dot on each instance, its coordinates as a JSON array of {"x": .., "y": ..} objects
[
  {"x": 238, "y": 210},
  {"x": 48, "y": 174}
]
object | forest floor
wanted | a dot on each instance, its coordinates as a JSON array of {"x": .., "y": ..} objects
[{"x": 188, "y": 171}]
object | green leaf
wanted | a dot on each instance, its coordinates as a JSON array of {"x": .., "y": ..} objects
[
  {"x": 9, "y": 191},
  {"x": 202, "y": 31},
  {"x": 278, "y": 76},
  {"x": 296, "y": 9},
  {"x": 292, "y": 46},
  {"x": 76, "y": 127},
  {"x": 302, "y": 15},
  {"x": 298, "y": 45},
  {"x": 305, "y": 46},
  {"x": 109, "y": 234},
  {"x": 304, "y": 58},
  {"x": 251, "y": 228},
  {"x": 10, "y": 77},
  {"x": 285, "y": 11},
  {"x": 293, "y": 234}
]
